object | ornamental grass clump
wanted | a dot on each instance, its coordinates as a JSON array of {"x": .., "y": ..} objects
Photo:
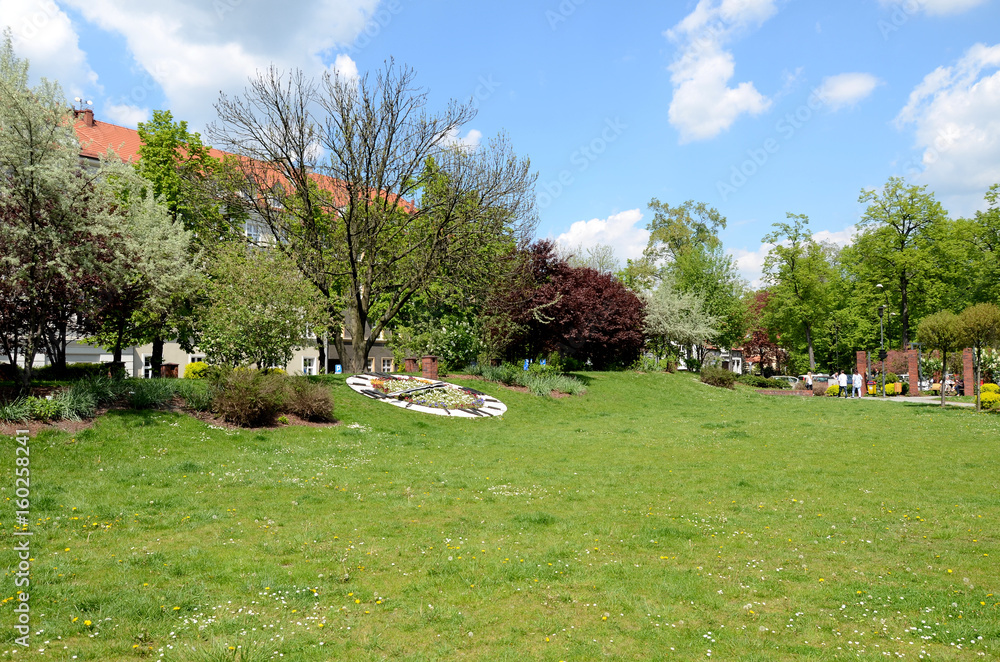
[
  {"x": 148, "y": 393},
  {"x": 196, "y": 393},
  {"x": 720, "y": 377},
  {"x": 249, "y": 398},
  {"x": 310, "y": 401}
]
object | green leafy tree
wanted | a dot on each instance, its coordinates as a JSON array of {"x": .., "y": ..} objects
[
  {"x": 799, "y": 278},
  {"x": 980, "y": 328},
  {"x": 711, "y": 275},
  {"x": 187, "y": 178},
  {"x": 258, "y": 308},
  {"x": 895, "y": 242},
  {"x": 941, "y": 331},
  {"x": 675, "y": 320},
  {"x": 674, "y": 231},
  {"x": 399, "y": 207}
]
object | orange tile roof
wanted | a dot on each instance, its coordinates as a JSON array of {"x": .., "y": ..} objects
[{"x": 96, "y": 139}]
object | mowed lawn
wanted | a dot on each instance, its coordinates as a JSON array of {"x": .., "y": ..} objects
[{"x": 652, "y": 518}]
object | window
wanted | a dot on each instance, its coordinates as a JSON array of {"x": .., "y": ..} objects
[
  {"x": 371, "y": 365},
  {"x": 308, "y": 365},
  {"x": 256, "y": 232},
  {"x": 196, "y": 358},
  {"x": 147, "y": 366},
  {"x": 387, "y": 365}
]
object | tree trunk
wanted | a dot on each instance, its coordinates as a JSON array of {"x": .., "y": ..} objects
[
  {"x": 321, "y": 368},
  {"x": 904, "y": 312},
  {"x": 156, "y": 361},
  {"x": 944, "y": 374},
  {"x": 812, "y": 356},
  {"x": 975, "y": 387}
]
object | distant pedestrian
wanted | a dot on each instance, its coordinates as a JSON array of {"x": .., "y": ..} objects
[
  {"x": 842, "y": 380},
  {"x": 809, "y": 380},
  {"x": 856, "y": 380}
]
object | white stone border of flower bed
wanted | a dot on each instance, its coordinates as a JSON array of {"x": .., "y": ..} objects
[{"x": 363, "y": 384}]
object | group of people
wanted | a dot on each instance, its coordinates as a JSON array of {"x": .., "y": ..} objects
[{"x": 843, "y": 380}]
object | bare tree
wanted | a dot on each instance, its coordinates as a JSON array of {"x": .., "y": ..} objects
[{"x": 369, "y": 194}]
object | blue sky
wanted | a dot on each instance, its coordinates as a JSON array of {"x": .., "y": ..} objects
[{"x": 757, "y": 107}]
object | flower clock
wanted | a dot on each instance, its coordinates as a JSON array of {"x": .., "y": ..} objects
[{"x": 426, "y": 395}]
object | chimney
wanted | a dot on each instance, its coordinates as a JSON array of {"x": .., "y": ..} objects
[{"x": 87, "y": 114}]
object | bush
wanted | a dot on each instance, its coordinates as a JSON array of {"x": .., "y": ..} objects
[
  {"x": 101, "y": 388},
  {"x": 990, "y": 399},
  {"x": 891, "y": 378},
  {"x": 650, "y": 364},
  {"x": 43, "y": 409},
  {"x": 541, "y": 381},
  {"x": 833, "y": 390},
  {"x": 72, "y": 372},
  {"x": 757, "y": 381},
  {"x": 718, "y": 377},
  {"x": 990, "y": 388},
  {"x": 196, "y": 370},
  {"x": 249, "y": 398},
  {"x": 904, "y": 388},
  {"x": 310, "y": 401}
]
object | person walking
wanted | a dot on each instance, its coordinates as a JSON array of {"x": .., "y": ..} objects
[
  {"x": 856, "y": 380},
  {"x": 842, "y": 381}
]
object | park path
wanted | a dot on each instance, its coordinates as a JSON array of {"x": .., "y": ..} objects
[{"x": 924, "y": 399}]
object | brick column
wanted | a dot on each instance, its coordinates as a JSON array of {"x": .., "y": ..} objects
[
  {"x": 430, "y": 367},
  {"x": 913, "y": 362},
  {"x": 969, "y": 372},
  {"x": 410, "y": 364},
  {"x": 861, "y": 359}
]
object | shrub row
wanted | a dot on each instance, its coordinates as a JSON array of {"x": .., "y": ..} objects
[
  {"x": 718, "y": 377},
  {"x": 757, "y": 381},
  {"x": 242, "y": 397},
  {"x": 538, "y": 379}
]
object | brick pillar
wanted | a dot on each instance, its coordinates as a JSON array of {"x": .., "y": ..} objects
[
  {"x": 410, "y": 364},
  {"x": 969, "y": 372},
  {"x": 913, "y": 363},
  {"x": 430, "y": 367},
  {"x": 861, "y": 361}
]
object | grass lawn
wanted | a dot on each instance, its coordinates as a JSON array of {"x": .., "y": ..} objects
[{"x": 652, "y": 518}]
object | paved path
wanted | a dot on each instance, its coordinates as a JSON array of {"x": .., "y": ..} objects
[{"x": 924, "y": 399}]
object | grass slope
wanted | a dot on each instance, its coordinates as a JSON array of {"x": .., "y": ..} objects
[{"x": 654, "y": 517}]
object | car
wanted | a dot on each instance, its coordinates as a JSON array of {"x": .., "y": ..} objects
[{"x": 787, "y": 378}]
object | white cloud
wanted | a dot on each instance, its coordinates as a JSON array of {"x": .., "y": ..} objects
[
  {"x": 847, "y": 89},
  {"x": 126, "y": 115},
  {"x": 704, "y": 105},
  {"x": 934, "y": 7},
  {"x": 620, "y": 231},
  {"x": 194, "y": 49},
  {"x": 957, "y": 128},
  {"x": 44, "y": 34},
  {"x": 471, "y": 139},
  {"x": 344, "y": 66}
]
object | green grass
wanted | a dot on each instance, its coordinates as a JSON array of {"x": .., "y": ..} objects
[{"x": 653, "y": 517}]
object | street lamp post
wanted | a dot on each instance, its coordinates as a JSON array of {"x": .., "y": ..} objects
[{"x": 881, "y": 350}]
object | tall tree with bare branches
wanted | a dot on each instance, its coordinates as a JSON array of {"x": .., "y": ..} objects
[{"x": 367, "y": 192}]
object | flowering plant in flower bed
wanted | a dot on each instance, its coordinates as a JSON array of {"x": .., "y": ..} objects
[{"x": 445, "y": 397}]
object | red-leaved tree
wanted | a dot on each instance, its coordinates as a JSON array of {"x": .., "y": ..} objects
[{"x": 548, "y": 306}]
